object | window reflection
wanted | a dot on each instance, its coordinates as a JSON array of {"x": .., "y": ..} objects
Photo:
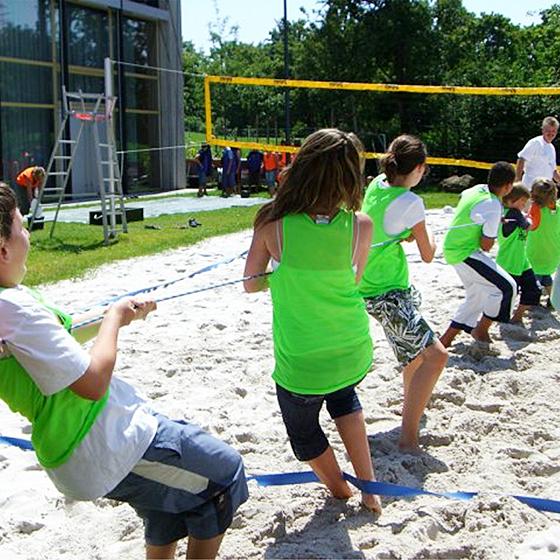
[
  {"x": 25, "y": 29},
  {"x": 88, "y": 37}
]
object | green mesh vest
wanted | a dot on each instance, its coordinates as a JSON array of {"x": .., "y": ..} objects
[
  {"x": 543, "y": 243},
  {"x": 320, "y": 326},
  {"x": 512, "y": 251},
  {"x": 462, "y": 242},
  {"x": 60, "y": 421},
  {"x": 386, "y": 268}
]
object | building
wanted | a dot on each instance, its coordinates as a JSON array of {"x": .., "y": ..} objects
[{"x": 45, "y": 44}]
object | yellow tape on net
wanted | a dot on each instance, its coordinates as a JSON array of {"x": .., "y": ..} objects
[
  {"x": 356, "y": 86},
  {"x": 390, "y": 88},
  {"x": 223, "y": 142}
]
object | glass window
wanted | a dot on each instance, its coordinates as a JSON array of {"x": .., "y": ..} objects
[
  {"x": 141, "y": 93},
  {"x": 27, "y": 136},
  {"x": 139, "y": 38},
  {"x": 24, "y": 83},
  {"x": 25, "y": 29},
  {"x": 88, "y": 36},
  {"x": 88, "y": 84},
  {"x": 142, "y": 167}
]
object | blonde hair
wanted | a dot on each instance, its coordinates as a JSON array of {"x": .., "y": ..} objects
[
  {"x": 325, "y": 175},
  {"x": 38, "y": 172},
  {"x": 550, "y": 121},
  {"x": 519, "y": 190},
  {"x": 543, "y": 192}
]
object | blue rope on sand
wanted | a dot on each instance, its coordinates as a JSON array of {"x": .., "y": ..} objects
[
  {"x": 367, "y": 486},
  {"x": 181, "y": 294},
  {"x": 164, "y": 285}
]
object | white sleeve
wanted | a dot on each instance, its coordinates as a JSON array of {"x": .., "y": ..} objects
[
  {"x": 49, "y": 354},
  {"x": 489, "y": 214},
  {"x": 528, "y": 150},
  {"x": 404, "y": 213}
]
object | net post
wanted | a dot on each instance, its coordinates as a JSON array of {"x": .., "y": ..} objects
[{"x": 208, "y": 109}]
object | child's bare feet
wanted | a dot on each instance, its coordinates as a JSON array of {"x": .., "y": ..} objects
[
  {"x": 342, "y": 492},
  {"x": 372, "y": 502},
  {"x": 412, "y": 448}
]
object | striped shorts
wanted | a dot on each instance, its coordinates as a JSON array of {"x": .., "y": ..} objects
[{"x": 187, "y": 483}]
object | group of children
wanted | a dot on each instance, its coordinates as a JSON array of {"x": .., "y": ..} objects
[{"x": 337, "y": 256}]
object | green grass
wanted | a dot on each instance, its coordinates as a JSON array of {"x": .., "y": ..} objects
[
  {"x": 78, "y": 248},
  {"x": 434, "y": 199}
]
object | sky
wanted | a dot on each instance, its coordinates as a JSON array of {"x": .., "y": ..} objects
[{"x": 255, "y": 18}]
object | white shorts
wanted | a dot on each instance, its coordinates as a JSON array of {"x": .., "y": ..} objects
[{"x": 490, "y": 291}]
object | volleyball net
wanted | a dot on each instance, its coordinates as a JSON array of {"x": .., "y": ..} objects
[{"x": 461, "y": 109}]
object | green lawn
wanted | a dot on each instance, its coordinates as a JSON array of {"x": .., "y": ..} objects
[
  {"x": 78, "y": 248},
  {"x": 433, "y": 199}
]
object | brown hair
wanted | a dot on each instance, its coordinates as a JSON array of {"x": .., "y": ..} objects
[
  {"x": 519, "y": 190},
  {"x": 405, "y": 153},
  {"x": 325, "y": 175},
  {"x": 543, "y": 192},
  {"x": 8, "y": 205},
  {"x": 501, "y": 174}
]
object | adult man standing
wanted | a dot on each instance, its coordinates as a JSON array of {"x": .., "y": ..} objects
[{"x": 538, "y": 157}]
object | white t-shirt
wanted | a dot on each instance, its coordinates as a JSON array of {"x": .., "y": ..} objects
[
  {"x": 488, "y": 213},
  {"x": 403, "y": 213},
  {"x": 54, "y": 360},
  {"x": 540, "y": 160}
]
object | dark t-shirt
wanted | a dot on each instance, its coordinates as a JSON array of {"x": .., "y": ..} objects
[{"x": 514, "y": 219}]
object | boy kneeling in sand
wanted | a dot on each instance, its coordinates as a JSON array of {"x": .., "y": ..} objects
[{"x": 93, "y": 434}]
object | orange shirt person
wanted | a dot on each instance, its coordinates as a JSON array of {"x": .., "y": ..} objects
[{"x": 30, "y": 179}]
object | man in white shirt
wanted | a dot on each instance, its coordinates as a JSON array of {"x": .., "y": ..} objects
[{"x": 538, "y": 157}]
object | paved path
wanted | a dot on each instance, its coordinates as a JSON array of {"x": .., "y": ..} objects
[{"x": 157, "y": 207}]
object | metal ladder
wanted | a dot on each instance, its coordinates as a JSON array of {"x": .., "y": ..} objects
[{"x": 108, "y": 172}]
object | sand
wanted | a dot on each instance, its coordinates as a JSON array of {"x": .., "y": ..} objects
[{"x": 492, "y": 426}]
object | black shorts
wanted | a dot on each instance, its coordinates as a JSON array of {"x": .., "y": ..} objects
[
  {"x": 529, "y": 290},
  {"x": 301, "y": 418}
]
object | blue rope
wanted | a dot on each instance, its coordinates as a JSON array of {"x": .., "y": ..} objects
[
  {"x": 164, "y": 285},
  {"x": 367, "y": 486},
  {"x": 181, "y": 294}
]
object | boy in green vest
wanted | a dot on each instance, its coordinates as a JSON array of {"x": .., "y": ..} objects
[
  {"x": 490, "y": 290},
  {"x": 93, "y": 434},
  {"x": 512, "y": 251}
]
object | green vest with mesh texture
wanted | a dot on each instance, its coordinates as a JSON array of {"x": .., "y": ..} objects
[
  {"x": 462, "y": 242},
  {"x": 387, "y": 267},
  {"x": 320, "y": 325},
  {"x": 543, "y": 243},
  {"x": 512, "y": 251},
  {"x": 60, "y": 421}
]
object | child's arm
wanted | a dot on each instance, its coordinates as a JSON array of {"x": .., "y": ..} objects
[
  {"x": 363, "y": 244},
  {"x": 425, "y": 241},
  {"x": 257, "y": 260},
  {"x": 93, "y": 384},
  {"x": 534, "y": 216}
]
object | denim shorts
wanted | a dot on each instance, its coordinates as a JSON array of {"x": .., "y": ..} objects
[
  {"x": 301, "y": 418},
  {"x": 187, "y": 483}
]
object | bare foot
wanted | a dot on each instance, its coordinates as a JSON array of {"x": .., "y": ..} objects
[
  {"x": 485, "y": 337},
  {"x": 410, "y": 448},
  {"x": 342, "y": 493},
  {"x": 372, "y": 502}
]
